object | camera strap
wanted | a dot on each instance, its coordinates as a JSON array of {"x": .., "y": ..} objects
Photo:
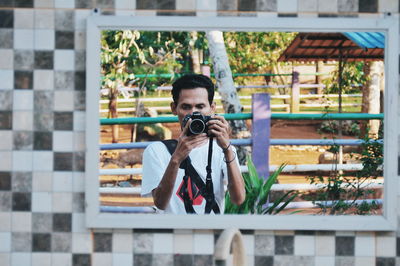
[{"x": 206, "y": 190}]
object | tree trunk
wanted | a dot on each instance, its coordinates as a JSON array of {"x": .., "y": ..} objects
[
  {"x": 113, "y": 113},
  {"x": 226, "y": 87},
  {"x": 371, "y": 102},
  {"x": 194, "y": 53}
]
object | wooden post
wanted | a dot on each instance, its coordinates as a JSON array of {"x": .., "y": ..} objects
[
  {"x": 261, "y": 109},
  {"x": 295, "y": 95}
]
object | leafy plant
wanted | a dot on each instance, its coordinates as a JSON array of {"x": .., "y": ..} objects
[
  {"x": 340, "y": 193},
  {"x": 257, "y": 194}
]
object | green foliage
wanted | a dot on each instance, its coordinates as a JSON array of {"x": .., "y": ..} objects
[
  {"x": 257, "y": 194},
  {"x": 255, "y": 52},
  {"x": 343, "y": 190},
  {"x": 127, "y": 53},
  {"x": 352, "y": 74}
]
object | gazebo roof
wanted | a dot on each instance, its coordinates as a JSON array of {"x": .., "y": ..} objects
[{"x": 349, "y": 46}]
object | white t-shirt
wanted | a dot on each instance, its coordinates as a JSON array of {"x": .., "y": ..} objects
[{"x": 156, "y": 158}]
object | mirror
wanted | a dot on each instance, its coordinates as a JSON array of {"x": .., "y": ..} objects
[{"x": 330, "y": 173}]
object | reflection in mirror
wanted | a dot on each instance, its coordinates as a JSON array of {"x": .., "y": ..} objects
[{"x": 326, "y": 96}]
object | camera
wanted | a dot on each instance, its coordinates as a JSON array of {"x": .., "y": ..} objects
[{"x": 198, "y": 124}]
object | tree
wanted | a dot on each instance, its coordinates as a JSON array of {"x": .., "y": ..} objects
[
  {"x": 226, "y": 87},
  {"x": 115, "y": 50},
  {"x": 127, "y": 53}
]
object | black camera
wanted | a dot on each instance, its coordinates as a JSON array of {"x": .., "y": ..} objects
[{"x": 198, "y": 124}]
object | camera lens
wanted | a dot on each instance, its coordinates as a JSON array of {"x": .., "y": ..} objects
[{"x": 197, "y": 126}]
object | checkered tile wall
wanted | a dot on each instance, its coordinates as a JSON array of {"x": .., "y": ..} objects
[{"x": 42, "y": 116}]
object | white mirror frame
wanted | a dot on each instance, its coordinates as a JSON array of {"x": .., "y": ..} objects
[{"x": 386, "y": 222}]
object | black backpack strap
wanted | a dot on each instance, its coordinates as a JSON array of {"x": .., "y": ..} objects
[{"x": 190, "y": 171}]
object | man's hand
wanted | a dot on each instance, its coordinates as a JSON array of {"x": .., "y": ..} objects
[
  {"x": 187, "y": 143},
  {"x": 220, "y": 129}
]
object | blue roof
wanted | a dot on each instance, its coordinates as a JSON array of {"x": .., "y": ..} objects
[{"x": 367, "y": 39}]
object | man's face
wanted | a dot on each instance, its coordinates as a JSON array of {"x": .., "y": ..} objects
[{"x": 192, "y": 100}]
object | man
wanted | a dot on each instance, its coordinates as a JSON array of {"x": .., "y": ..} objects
[{"x": 162, "y": 177}]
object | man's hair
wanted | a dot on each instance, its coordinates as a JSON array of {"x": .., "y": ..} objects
[{"x": 192, "y": 81}]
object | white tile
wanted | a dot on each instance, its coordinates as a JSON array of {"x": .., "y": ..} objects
[
  {"x": 324, "y": 261},
  {"x": 22, "y": 120},
  {"x": 189, "y": 5},
  {"x": 78, "y": 223},
  {"x": 42, "y": 181},
  {"x": 63, "y": 101},
  {"x": 183, "y": 242},
  {"x": 102, "y": 259},
  {"x": 125, "y": 4},
  {"x": 64, "y": 60},
  {"x": 62, "y": 202},
  {"x": 62, "y": 182},
  {"x": 61, "y": 259},
  {"x": 80, "y": 40},
  {"x": 41, "y": 202},
  {"x": 5, "y": 241},
  {"x": 23, "y": 39},
  {"x": 81, "y": 243},
  {"x": 5, "y": 259},
  {"x": 7, "y": 59},
  {"x": 41, "y": 259},
  {"x": 5, "y": 221},
  {"x": 365, "y": 261},
  {"x": 22, "y": 161},
  {"x": 248, "y": 241},
  {"x": 7, "y": 77},
  {"x": 21, "y": 222},
  {"x": 209, "y": 5},
  {"x": 388, "y": 6},
  {"x": 44, "y": 3},
  {"x": 327, "y": 6},
  {"x": 44, "y": 39},
  {"x": 6, "y": 160},
  {"x": 304, "y": 245},
  {"x": 42, "y": 160},
  {"x": 325, "y": 245},
  {"x": 122, "y": 259},
  {"x": 79, "y": 141},
  {"x": 79, "y": 121},
  {"x": 81, "y": 16},
  {"x": 43, "y": 79},
  {"x": 385, "y": 246},
  {"x": 44, "y": 18},
  {"x": 63, "y": 141},
  {"x": 6, "y": 139},
  {"x": 64, "y": 4},
  {"x": 307, "y": 5},
  {"x": 163, "y": 243},
  {"x": 203, "y": 243},
  {"x": 79, "y": 182},
  {"x": 122, "y": 241},
  {"x": 364, "y": 245},
  {"x": 20, "y": 258},
  {"x": 23, "y": 18},
  {"x": 287, "y": 6},
  {"x": 23, "y": 100}
]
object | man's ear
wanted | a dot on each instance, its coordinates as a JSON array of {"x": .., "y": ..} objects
[
  {"x": 213, "y": 107},
  {"x": 173, "y": 107}
]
